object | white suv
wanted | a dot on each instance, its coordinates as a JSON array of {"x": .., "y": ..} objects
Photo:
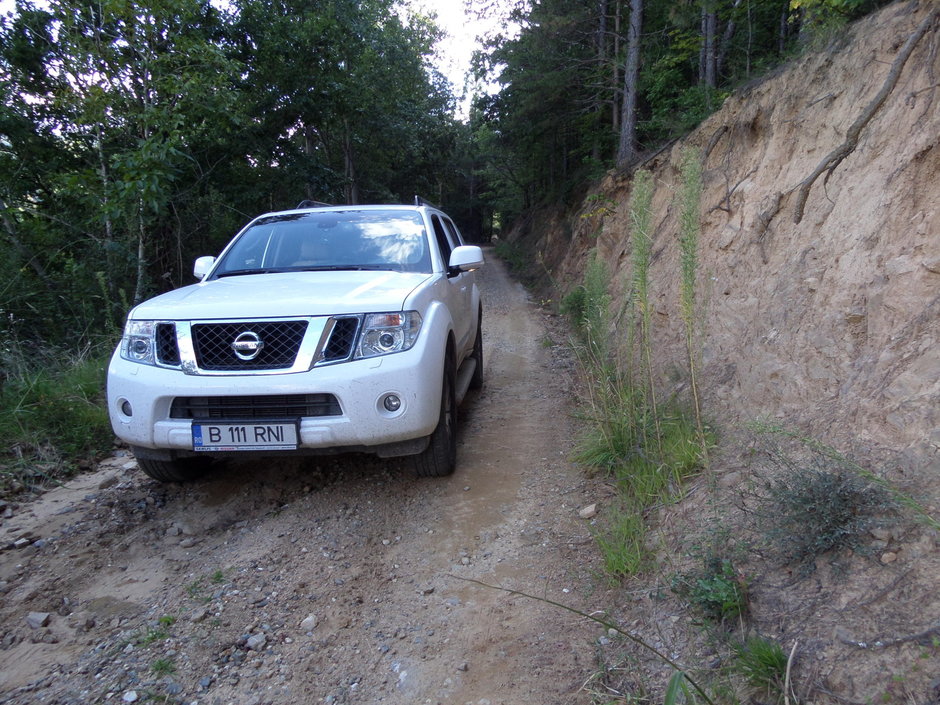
[{"x": 322, "y": 329}]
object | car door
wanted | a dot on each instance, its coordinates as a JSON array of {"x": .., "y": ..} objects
[{"x": 459, "y": 284}]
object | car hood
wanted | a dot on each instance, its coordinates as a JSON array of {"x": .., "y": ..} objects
[{"x": 283, "y": 294}]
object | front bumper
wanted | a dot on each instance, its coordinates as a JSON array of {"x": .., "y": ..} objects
[{"x": 359, "y": 386}]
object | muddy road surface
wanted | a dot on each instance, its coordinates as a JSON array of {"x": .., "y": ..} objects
[{"x": 339, "y": 580}]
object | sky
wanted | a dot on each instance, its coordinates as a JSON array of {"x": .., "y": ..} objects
[{"x": 464, "y": 30}]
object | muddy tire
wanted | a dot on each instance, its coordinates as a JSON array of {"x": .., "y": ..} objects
[
  {"x": 440, "y": 457},
  {"x": 179, "y": 470},
  {"x": 476, "y": 382}
]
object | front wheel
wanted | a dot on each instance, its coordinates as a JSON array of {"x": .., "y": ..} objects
[
  {"x": 440, "y": 457},
  {"x": 177, "y": 470}
]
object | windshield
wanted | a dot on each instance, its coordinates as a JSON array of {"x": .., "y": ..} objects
[{"x": 330, "y": 240}]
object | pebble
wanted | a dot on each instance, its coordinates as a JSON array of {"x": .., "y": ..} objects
[
  {"x": 256, "y": 642},
  {"x": 130, "y": 696},
  {"x": 109, "y": 481},
  {"x": 889, "y": 557},
  {"x": 37, "y": 620},
  {"x": 309, "y": 623},
  {"x": 588, "y": 512}
]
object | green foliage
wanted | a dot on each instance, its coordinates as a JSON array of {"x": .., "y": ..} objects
[
  {"x": 139, "y": 134},
  {"x": 513, "y": 255},
  {"x": 717, "y": 591},
  {"x": 163, "y": 667},
  {"x": 818, "y": 509},
  {"x": 763, "y": 663},
  {"x": 621, "y": 540},
  {"x": 647, "y": 449},
  {"x": 815, "y": 501},
  {"x": 51, "y": 416}
]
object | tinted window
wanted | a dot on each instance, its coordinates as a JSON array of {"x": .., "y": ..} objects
[
  {"x": 443, "y": 241},
  {"x": 394, "y": 240}
]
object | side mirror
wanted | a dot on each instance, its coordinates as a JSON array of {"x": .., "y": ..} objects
[
  {"x": 466, "y": 258},
  {"x": 202, "y": 266}
]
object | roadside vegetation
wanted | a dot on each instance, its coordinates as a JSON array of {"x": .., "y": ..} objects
[
  {"x": 52, "y": 417},
  {"x": 800, "y": 505},
  {"x": 648, "y": 440}
]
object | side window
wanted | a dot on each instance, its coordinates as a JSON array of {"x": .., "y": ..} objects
[
  {"x": 452, "y": 231},
  {"x": 443, "y": 242}
]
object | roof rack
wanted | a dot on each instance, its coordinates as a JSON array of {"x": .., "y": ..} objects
[
  {"x": 306, "y": 203},
  {"x": 424, "y": 202}
]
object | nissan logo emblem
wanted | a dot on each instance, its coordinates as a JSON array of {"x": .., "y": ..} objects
[{"x": 247, "y": 346}]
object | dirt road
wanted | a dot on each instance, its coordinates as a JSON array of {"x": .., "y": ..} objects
[{"x": 337, "y": 581}]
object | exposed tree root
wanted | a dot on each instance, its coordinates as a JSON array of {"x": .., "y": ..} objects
[{"x": 829, "y": 164}]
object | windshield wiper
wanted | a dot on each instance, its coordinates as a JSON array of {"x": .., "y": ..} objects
[
  {"x": 253, "y": 270},
  {"x": 347, "y": 268}
]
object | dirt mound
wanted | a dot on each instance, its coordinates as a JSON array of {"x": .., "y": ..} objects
[
  {"x": 823, "y": 318},
  {"x": 831, "y": 323}
]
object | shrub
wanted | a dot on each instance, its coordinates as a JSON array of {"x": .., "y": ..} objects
[{"x": 817, "y": 509}]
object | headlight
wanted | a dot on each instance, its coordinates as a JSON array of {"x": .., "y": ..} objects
[
  {"x": 138, "y": 343},
  {"x": 384, "y": 333}
]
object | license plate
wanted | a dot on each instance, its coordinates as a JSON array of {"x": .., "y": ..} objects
[{"x": 274, "y": 435}]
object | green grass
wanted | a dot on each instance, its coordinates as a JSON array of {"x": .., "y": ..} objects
[
  {"x": 763, "y": 664},
  {"x": 163, "y": 667},
  {"x": 52, "y": 414},
  {"x": 620, "y": 540}
]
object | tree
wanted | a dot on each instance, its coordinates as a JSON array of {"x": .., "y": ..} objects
[{"x": 626, "y": 153}]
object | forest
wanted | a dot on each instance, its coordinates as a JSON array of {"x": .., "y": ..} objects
[{"x": 136, "y": 135}]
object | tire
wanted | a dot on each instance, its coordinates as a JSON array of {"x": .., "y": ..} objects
[
  {"x": 439, "y": 459},
  {"x": 179, "y": 470},
  {"x": 476, "y": 382}
]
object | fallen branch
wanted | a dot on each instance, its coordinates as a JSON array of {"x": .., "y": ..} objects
[
  {"x": 919, "y": 637},
  {"x": 829, "y": 164},
  {"x": 603, "y": 622},
  {"x": 786, "y": 681}
]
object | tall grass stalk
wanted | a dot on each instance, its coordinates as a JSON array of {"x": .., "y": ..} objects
[
  {"x": 689, "y": 229},
  {"x": 647, "y": 448},
  {"x": 640, "y": 218}
]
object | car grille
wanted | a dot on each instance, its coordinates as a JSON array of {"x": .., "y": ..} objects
[
  {"x": 213, "y": 344},
  {"x": 285, "y": 406},
  {"x": 342, "y": 339},
  {"x": 168, "y": 352}
]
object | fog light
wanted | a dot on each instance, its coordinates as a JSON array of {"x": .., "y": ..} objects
[
  {"x": 126, "y": 408},
  {"x": 392, "y": 403}
]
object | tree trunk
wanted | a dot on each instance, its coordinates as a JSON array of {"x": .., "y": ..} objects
[
  {"x": 725, "y": 44},
  {"x": 709, "y": 53},
  {"x": 615, "y": 109},
  {"x": 627, "y": 151},
  {"x": 141, "y": 257},
  {"x": 352, "y": 188},
  {"x": 598, "y": 107}
]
